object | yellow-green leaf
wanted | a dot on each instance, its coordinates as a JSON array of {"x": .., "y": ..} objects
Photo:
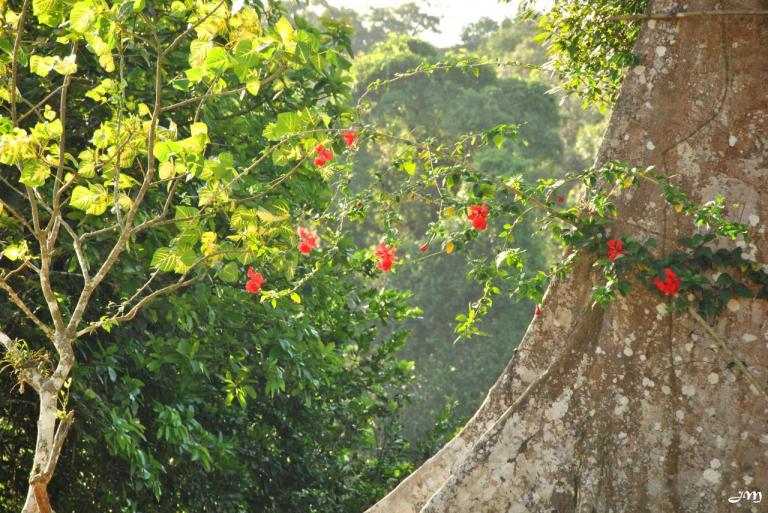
[
  {"x": 65, "y": 66},
  {"x": 41, "y": 65},
  {"x": 34, "y": 173},
  {"x": 253, "y": 85},
  {"x": 287, "y": 34}
]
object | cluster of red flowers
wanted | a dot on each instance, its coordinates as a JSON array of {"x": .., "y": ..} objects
[
  {"x": 307, "y": 241},
  {"x": 477, "y": 214},
  {"x": 324, "y": 155},
  {"x": 255, "y": 281},
  {"x": 671, "y": 284},
  {"x": 615, "y": 248},
  {"x": 349, "y": 138},
  {"x": 386, "y": 256}
]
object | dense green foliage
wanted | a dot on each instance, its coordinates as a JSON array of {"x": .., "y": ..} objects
[
  {"x": 236, "y": 407},
  {"x": 588, "y": 48}
]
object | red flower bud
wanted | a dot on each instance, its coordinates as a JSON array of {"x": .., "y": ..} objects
[{"x": 424, "y": 247}]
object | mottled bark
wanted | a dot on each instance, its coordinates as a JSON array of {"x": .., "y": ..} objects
[{"x": 632, "y": 409}]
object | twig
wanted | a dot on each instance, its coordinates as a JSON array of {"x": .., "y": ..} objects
[
  {"x": 759, "y": 389},
  {"x": 15, "y": 63}
]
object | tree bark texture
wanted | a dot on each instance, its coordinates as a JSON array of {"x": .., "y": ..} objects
[{"x": 630, "y": 408}]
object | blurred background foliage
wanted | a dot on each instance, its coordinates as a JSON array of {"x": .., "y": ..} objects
[{"x": 556, "y": 136}]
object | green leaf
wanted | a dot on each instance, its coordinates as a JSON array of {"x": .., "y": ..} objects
[
  {"x": 217, "y": 59},
  {"x": 34, "y": 173},
  {"x": 16, "y": 251},
  {"x": 167, "y": 170},
  {"x": 164, "y": 260},
  {"x": 94, "y": 199},
  {"x": 49, "y": 12},
  {"x": 198, "y": 52},
  {"x": 41, "y": 65},
  {"x": 230, "y": 273},
  {"x": 161, "y": 151},
  {"x": 252, "y": 86},
  {"x": 287, "y": 123},
  {"x": 287, "y": 34},
  {"x": 186, "y": 212},
  {"x": 82, "y": 16},
  {"x": 295, "y": 298},
  {"x": 66, "y": 66}
]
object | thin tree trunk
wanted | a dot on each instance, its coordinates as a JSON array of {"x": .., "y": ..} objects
[
  {"x": 46, "y": 427},
  {"x": 632, "y": 409}
]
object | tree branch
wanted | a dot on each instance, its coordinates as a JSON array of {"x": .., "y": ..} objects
[
  {"x": 686, "y": 14},
  {"x": 24, "y": 308},
  {"x": 189, "y": 29},
  {"x": 268, "y": 80},
  {"x": 759, "y": 389},
  {"x": 117, "y": 249},
  {"x": 15, "y": 62}
]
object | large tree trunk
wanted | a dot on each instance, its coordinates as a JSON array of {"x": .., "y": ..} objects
[{"x": 632, "y": 409}]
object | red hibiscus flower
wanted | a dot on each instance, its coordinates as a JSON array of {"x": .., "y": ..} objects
[
  {"x": 324, "y": 155},
  {"x": 615, "y": 248},
  {"x": 386, "y": 256},
  {"x": 424, "y": 247},
  {"x": 255, "y": 281},
  {"x": 477, "y": 214},
  {"x": 671, "y": 284},
  {"x": 349, "y": 137},
  {"x": 307, "y": 241},
  {"x": 560, "y": 199}
]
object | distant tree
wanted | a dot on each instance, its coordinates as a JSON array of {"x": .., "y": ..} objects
[
  {"x": 375, "y": 26},
  {"x": 477, "y": 32}
]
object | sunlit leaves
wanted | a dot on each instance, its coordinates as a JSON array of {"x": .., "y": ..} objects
[
  {"x": 34, "y": 173},
  {"x": 16, "y": 252},
  {"x": 49, "y": 12},
  {"x": 287, "y": 34},
  {"x": 178, "y": 260},
  {"x": 94, "y": 199},
  {"x": 217, "y": 59}
]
